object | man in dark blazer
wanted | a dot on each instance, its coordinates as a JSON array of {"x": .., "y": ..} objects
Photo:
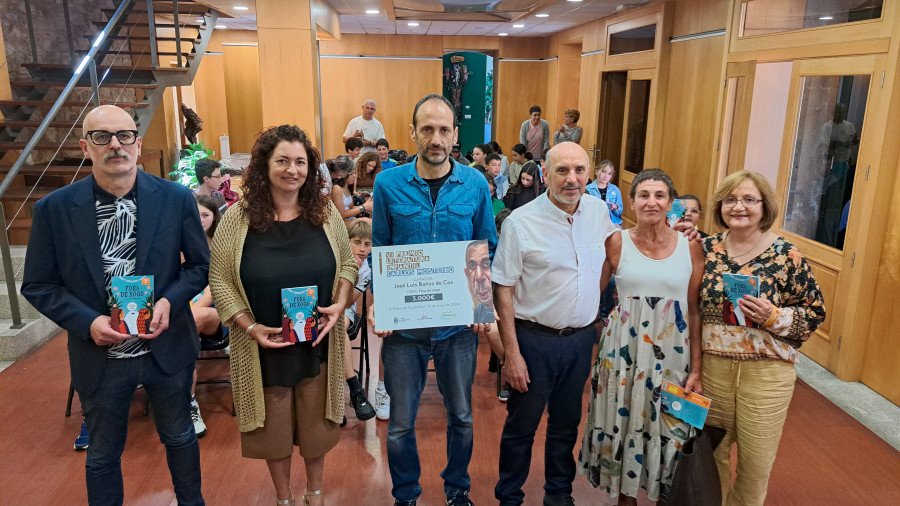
[{"x": 121, "y": 221}]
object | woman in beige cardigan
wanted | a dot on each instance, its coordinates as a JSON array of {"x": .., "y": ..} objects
[{"x": 284, "y": 234}]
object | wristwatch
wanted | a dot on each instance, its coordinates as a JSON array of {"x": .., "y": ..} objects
[{"x": 362, "y": 209}]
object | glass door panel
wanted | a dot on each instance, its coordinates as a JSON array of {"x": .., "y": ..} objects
[
  {"x": 636, "y": 125},
  {"x": 824, "y": 158}
]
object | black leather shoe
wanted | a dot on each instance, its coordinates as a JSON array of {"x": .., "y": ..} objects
[{"x": 558, "y": 500}]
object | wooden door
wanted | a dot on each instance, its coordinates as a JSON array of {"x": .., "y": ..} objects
[
  {"x": 639, "y": 143},
  {"x": 833, "y": 133}
]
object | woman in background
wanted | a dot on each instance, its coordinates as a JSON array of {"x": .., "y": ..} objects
[
  {"x": 343, "y": 181},
  {"x": 284, "y": 234},
  {"x": 748, "y": 371},
  {"x": 367, "y": 167},
  {"x": 569, "y": 130}
]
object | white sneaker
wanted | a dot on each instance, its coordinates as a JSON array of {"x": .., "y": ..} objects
[
  {"x": 199, "y": 426},
  {"x": 382, "y": 404}
]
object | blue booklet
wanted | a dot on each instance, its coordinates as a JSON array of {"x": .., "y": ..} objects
[
  {"x": 132, "y": 304},
  {"x": 691, "y": 409},
  {"x": 676, "y": 213},
  {"x": 299, "y": 317},
  {"x": 735, "y": 287}
]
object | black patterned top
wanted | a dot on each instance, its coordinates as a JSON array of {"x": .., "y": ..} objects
[
  {"x": 117, "y": 229},
  {"x": 785, "y": 280}
]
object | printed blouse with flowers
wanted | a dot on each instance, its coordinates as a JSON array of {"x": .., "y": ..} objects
[{"x": 785, "y": 280}]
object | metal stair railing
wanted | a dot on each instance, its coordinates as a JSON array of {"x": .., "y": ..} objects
[{"x": 89, "y": 64}]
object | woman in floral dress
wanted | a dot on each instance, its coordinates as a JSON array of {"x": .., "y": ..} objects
[
  {"x": 748, "y": 370},
  {"x": 652, "y": 335}
]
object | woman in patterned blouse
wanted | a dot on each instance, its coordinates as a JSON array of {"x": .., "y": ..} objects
[{"x": 748, "y": 370}]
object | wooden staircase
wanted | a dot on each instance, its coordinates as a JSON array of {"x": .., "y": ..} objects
[{"x": 138, "y": 88}]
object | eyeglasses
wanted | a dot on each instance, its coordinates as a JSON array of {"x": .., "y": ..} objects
[
  {"x": 747, "y": 201},
  {"x": 215, "y": 176},
  {"x": 103, "y": 137}
]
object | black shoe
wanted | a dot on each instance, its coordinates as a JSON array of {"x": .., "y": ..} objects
[
  {"x": 411, "y": 502},
  {"x": 558, "y": 500},
  {"x": 362, "y": 406},
  {"x": 459, "y": 500}
]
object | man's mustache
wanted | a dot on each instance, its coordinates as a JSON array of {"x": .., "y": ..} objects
[{"x": 119, "y": 152}]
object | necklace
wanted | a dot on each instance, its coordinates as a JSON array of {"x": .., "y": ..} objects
[{"x": 749, "y": 250}]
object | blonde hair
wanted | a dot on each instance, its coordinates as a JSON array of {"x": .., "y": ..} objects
[
  {"x": 730, "y": 183},
  {"x": 361, "y": 229}
]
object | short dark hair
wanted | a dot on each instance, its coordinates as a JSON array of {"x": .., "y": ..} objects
[
  {"x": 353, "y": 143},
  {"x": 490, "y": 180},
  {"x": 429, "y": 97},
  {"x": 652, "y": 175},
  {"x": 204, "y": 168},
  {"x": 693, "y": 197},
  {"x": 520, "y": 148},
  {"x": 485, "y": 148},
  {"x": 495, "y": 147},
  {"x": 382, "y": 142},
  {"x": 491, "y": 157},
  {"x": 534, "y": 109}
]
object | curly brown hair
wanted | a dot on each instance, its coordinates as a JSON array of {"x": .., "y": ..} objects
[
  {"x": 363, "y": 160},
  {"x": 257, "y": 198}
]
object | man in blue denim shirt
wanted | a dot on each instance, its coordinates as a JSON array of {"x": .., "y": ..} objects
[{"x": 433, "y": 199}]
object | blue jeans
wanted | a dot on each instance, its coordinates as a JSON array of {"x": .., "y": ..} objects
[
  {"x": 405, "y": 371},
  {"x": 106, "y": 413},
  {"x": 558, "y": 367}
]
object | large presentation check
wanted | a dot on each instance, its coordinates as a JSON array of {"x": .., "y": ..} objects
[{"x": 432, "y": 285}]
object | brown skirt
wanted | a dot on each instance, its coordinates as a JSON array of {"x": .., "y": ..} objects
[{"x": 294, "y": 416}]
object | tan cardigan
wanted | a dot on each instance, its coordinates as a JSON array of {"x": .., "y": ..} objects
[{"x": 230, "y": 298}]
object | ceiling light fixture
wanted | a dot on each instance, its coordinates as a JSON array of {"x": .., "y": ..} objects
[
  {"x": 221, "y": 27},
  {"x": 371, "y": 11},
  {"x": 826, "y": 18},
  {"x": 519, "y": 26},
  {"x": 542, "y": 15},
  {"x": 241, "y": 8},
  {"x": 503, "y": 34},
  {"x": 200, "y": 20},
  {"x": 412, "y": 23}
]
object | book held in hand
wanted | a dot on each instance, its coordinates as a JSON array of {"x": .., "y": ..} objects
[
  {"x": 299, "y": 317},
  {"x": 676, "y": 213},
  {"x": 691, "y": 409},
  {"x": 132, "y": 307},
  {"x": 735, "y": 287}
]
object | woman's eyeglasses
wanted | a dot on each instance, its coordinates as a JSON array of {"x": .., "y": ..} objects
[{"x": 747, "y": 201}]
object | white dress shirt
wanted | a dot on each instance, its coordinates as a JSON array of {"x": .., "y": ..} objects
[{"x": 554, "y": 260}]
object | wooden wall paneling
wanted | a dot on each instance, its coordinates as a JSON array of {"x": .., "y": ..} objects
[
  {"x": 798, "y": 43},
  {"x": 697, "y": 16},
  {"x": 412, "y": 45},
  {"x": 346, "y": 84},
  {"x": 5, "y": 90},
  {"x": 161, "y": 133},
  {"x": 785, "y": 14},
  {"x": 689, "y": 132},
  {"x": 242, "y": 96},
  {"x": 470, "y": 43},
  {"x": 405, "y": 83},
  {"x": 212, "y": 104},
  {"x": 355, "y": 44},
  {"x": 525, "y": 47},
  {"x": 520, "y": 84}
]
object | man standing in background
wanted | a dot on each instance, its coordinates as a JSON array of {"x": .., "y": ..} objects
[{"x": 365, "y": 127}]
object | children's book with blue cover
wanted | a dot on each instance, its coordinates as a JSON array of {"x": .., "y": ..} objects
[
  {"x": 676, "y": 213},
  {"x": 691, "y": 409},
  {"x": 299, "y": 317},
  {"x": 735, "y": 287},
  {"x": 132, "y": 304}
]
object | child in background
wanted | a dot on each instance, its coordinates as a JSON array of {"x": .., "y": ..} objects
[
  {"x": 383, "y": 148},
  {"x": 361, "y": 244},
  {"x": 606, "y": 191},
  {"x": 692, "y": 212}
]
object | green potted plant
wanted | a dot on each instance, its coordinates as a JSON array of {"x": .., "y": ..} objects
[{"x": 184, "y": 169}]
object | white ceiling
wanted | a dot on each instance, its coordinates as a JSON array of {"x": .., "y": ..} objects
[{"x": 562, "y": 15}]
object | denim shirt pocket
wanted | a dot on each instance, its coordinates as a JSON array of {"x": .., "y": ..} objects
[
  {"x": 406, "y": 221},
  {"x": 458, "y": 224}
]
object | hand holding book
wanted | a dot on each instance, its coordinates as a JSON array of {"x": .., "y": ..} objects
[{"x": 756, "y": 309}]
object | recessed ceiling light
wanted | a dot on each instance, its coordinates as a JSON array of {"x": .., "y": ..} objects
[
  {"x": 371, "y": 11},
  {"x": 503, "y": 34},
  {"x": 542, "y": 15},
  {"x": 412, "y": 23},
  {"x": 826, "y": 18},
  {"x": 519, "y": 26},
  {"x": 241, "y": 8},
  {"x": 200, "y": 20},
  {"x": 221, "y": 27}
]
